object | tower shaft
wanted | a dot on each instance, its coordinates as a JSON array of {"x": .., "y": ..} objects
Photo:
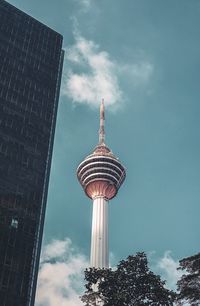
[{"x": 99, "y": 257}]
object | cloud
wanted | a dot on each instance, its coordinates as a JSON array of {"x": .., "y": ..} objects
[
  {"x": 56, "y": 249},
  {"x": 84, "y": 5},
  {"x": 90, "y": 74},
  {"x": 139, "y": 73},
  {"x": 167, "y": 267},
  {"x": 60, "y": 279},
  {"x": 96, "y": 78}
]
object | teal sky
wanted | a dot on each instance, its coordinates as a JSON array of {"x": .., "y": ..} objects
[{"x": 143, "y": 57}]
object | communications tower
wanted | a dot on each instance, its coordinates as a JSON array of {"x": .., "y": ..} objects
[{"x": 100, "y": 174}]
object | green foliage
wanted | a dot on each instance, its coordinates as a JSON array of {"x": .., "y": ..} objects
[
  {"x": 131, "y": 284},
  {"x": 189, "y": 284}
]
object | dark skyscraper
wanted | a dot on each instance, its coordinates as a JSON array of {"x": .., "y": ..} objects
[{"x": 30, "y": 71}]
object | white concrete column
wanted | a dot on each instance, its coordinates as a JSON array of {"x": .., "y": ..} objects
[{"x": 99, "y": 257}]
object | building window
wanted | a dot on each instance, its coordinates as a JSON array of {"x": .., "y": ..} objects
[{"x": 14, "y": 223}]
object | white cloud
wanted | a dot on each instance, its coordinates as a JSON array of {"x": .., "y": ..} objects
[
  {"x": 56, "y": 249},
  {"x": 168, "y": 269},
  {"x": 84, "y": 5},
  {"x": 139, "y": 73},
  {"x": 60, "y": 279},
  {"x": 97, "y": 76},
  {"x": 90, "y": 74},
  {"x": 112, "y": 260}
]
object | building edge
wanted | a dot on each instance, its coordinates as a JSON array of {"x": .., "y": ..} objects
[
  {"x": 29, "y": 16},
  {"x": 38, "y": 242}
]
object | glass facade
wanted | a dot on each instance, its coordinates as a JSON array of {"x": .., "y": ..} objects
[{"x": 30, "y": 71}]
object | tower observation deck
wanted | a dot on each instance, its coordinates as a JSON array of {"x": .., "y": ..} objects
[{"x": 100, "y": 174}]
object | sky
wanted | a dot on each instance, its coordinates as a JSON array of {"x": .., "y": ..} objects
[{"x": 142, "y": 57}]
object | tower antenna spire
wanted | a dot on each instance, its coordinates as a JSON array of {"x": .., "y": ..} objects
[{"x": 102, "y": 120}]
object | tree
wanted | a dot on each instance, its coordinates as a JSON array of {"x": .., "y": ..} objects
[
  {"x": 189, "y": 284},
  {"x": 131, "y": 284}
]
